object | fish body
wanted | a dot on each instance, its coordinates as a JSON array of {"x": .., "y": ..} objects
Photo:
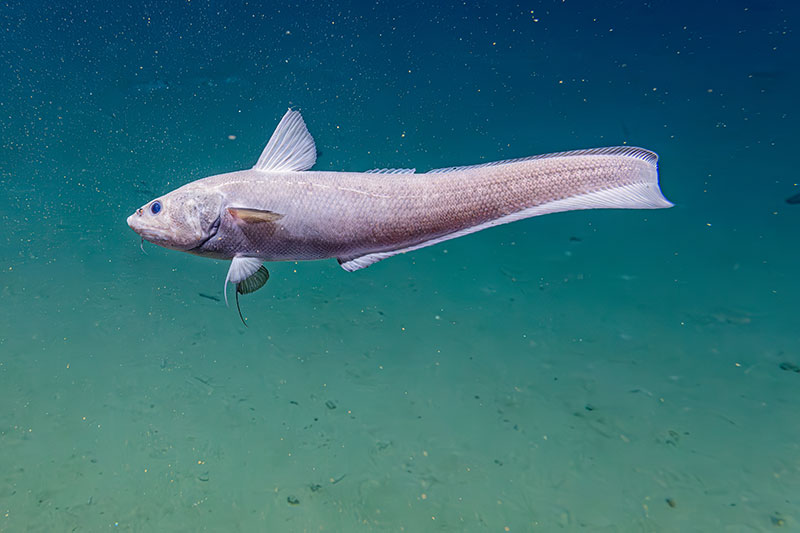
[{"x": 281, "y": 211}]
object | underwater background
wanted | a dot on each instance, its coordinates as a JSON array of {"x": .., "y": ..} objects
[{"x": 605, "y": 370}]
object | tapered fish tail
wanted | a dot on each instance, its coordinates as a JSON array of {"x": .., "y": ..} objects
[{"x": 618, "y": 177}]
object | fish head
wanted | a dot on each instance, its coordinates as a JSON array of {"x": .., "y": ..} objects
[{"x": 184, "y": 219}]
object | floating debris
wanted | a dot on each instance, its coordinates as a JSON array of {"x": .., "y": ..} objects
[{"x": 777, "y": 520}]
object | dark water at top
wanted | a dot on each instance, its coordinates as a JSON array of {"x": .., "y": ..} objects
[{"x": 593, "y": 371}]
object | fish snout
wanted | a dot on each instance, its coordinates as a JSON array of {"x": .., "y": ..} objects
[
  {"x": 133, "y": 220},
  {"x": 136, "y": 221}
]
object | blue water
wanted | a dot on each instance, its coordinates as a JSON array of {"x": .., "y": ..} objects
[{"x": 592, "y": 371}]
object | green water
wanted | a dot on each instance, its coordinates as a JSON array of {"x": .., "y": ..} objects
[{"x": 592, "y": 371}]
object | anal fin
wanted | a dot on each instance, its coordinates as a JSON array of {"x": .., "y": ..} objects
[{"x": 633, "y": 196}]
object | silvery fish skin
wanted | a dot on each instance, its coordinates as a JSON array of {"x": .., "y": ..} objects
[{"x": 280, "y": 211}]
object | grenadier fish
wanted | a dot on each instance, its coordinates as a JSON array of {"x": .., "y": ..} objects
[{"x": 281, "y": 211}]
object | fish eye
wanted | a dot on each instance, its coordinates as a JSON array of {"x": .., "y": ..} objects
[{"x": 155, "y": 207}]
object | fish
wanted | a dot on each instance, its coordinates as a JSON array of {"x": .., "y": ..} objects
[
  {"x": 280, "y": 210},
  {"x": 794, "y": 199}
]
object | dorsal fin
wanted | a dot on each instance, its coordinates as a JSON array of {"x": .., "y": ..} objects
[
  {"x": 627, "y": 151},
  {"x": 391, "y": 171},
  {"x": 291, "y": 147}
]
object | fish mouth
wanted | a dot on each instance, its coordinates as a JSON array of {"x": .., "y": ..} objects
[
  {"x": 165, "y": 238},
  {"x": 152, "y": 235},
  {"x": 133, "y": 223}
]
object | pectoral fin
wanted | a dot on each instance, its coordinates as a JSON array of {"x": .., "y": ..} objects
[{"x": 253, "y": 216}]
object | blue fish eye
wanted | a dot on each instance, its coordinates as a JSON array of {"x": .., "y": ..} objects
[{"x": 155, "y": 207}]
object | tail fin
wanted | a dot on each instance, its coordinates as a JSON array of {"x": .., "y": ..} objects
[{"x": 642, "y": 192}]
